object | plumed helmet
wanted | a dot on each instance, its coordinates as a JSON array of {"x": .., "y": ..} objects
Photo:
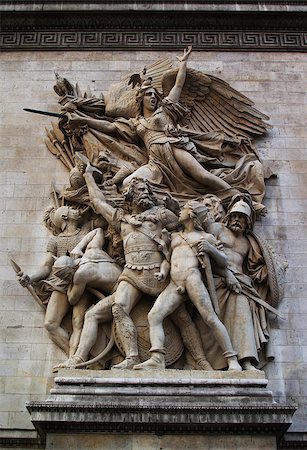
[
  {"x": 199, "y": 208},
  {"x": 199, "y": 213}
]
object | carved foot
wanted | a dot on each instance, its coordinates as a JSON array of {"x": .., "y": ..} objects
[
  {"x": 70, "y": 363},
  {"x": 247, "y": 365},
  {"x": 233, "y": 364},
  {"x": 204, "y": 364},
  {"x": 157, "y": 361},
  {"x": 128, "y": 363}
]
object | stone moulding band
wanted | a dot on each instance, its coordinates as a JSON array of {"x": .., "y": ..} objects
[
  {"x": 48, "y": 418},
  {"x": 154, "y": 29},
  {"x": 167, "y": 40}
]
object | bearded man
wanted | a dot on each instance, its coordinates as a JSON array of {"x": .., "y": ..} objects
[
  {"x": 243, "y": 310},
  {"x": 146, "y": 257}
]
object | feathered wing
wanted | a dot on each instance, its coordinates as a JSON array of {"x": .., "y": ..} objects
[
  {"x": 120, "y": 100},
  {"x": 215, "y": 105}
]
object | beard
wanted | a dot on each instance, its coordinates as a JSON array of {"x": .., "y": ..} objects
[
  {"x": 237, "y": 227},
  {"x": 144, "y": 202}
]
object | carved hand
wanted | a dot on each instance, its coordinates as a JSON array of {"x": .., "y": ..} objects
[
  {"x": 76, "y": 253},
  {"x": 232, "y": 283},
  {"x": 23, "y": 279},
  {"x": 75, "y": 121},
  {"x": 186, "y": 53},
  {"x": 204, "y": 247},
  {"x": 171, "y": 203},
  {"x": 160, "y": 276}
]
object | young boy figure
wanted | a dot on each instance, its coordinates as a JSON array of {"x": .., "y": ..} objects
[{"x": 186, "y": 278}]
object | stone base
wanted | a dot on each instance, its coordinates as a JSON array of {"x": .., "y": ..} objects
[
  {"x": 155, "y": 442},
  {"x": 169, "y": 402}
]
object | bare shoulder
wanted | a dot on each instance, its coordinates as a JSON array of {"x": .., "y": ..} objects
[{"x": 216, "y": 228}]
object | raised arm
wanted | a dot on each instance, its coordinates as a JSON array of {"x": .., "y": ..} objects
[
  {"x": 97, "y": 198},
  {"x": 175, "y": 92}
]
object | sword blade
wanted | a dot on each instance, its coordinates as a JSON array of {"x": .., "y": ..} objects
[{"x": 44, "y": 113}]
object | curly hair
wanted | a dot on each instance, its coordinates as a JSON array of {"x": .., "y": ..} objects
[{"x": 128, "y": 194}]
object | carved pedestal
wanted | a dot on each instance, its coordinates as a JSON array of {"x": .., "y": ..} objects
[{"x": 153, "y": 410}]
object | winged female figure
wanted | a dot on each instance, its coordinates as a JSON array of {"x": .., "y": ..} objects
[{"x": 180, "y": 158}]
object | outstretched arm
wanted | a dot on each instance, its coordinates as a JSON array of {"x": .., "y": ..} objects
[
  {"x": 100, "y": 125},
  {"x": 96, "y": 196},
  {"x": 42, "y": 272},
  {"x": 181, "y": 76}
]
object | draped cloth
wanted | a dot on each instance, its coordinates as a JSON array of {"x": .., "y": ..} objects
[
  {"x": 245, "y": 171},
  {"x": 245, "y": 320}
]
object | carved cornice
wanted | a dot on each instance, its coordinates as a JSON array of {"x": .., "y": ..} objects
[
  {"x": 154, "y": 29},
  {"x": 155, "y": 403},
  {"x": 15, "y": 442},
  {"x": 72, "y": 417}
]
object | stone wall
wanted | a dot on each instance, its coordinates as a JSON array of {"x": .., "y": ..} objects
[{"x": 275, "y": 81}]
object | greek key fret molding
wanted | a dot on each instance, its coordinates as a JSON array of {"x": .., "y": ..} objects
[{"x": 110, "y": 40}]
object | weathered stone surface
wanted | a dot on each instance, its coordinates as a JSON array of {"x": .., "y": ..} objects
[
  {"x": 166, "y": 442},
  {"x": 168, "y": 401},
  {"x": 284, "y": 101}
]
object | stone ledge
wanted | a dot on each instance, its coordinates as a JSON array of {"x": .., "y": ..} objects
[
  {"x": 169, "y": 401},
  {"x": 249, "y": 26},
  {"x": 154, "y": 5}
]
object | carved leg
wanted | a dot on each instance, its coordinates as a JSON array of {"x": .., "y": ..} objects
[
  {"x": 128, "y": 337},
  {"x": 190, "y": 336},
  {"x": 101, "y": 312},
  {"x": 78, "y": 314},
  {"x": 165, "y": 304},
  {"x": 192, "y": 167},
  {"x": 126, "y": 297},
  {"x": 156, "y": 361},
  {"x": 201, "y": 299},
  {"x": 57, "y": 308}
]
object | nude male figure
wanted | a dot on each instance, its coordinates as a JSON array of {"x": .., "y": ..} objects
[
  {"x": 92, "y": 268},
  {"x": 96, "y": 269},
  {"x": 187, "y": 277}
]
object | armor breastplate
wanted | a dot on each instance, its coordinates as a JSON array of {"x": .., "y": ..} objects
[
  {"x": 68, "y": 243},
  {"x": 145, "y": 256}
]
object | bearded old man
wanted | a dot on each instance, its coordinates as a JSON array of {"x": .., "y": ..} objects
[{"x": 242, "y": 309}]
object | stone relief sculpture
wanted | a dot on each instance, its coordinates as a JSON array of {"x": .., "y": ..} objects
[{"x": 164, "y": 189}]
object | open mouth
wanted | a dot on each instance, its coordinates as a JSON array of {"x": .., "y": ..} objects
[{"x": 103, "y": 158}]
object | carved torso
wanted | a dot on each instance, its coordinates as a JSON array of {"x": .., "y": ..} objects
[
  {"x": 60, "y": 245},
  {"x": 235, "y": 246},
  {"x": 139, "y": 233}
]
